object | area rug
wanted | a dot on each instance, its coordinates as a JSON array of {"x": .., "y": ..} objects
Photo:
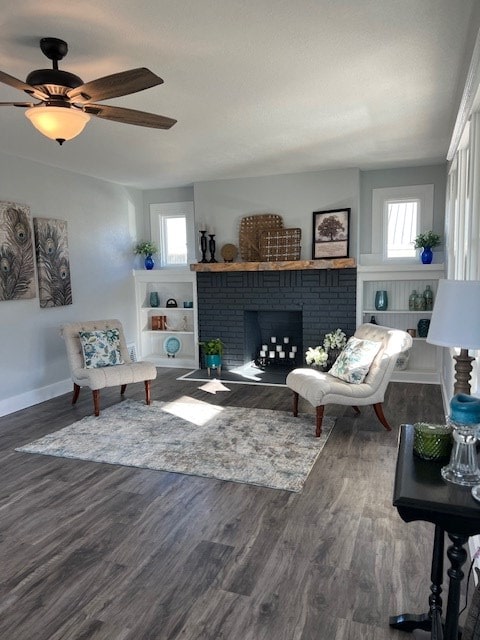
[{"x": 254, "y": 446}]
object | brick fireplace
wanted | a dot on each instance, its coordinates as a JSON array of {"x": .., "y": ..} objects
[{"x": 320, "y": 299}]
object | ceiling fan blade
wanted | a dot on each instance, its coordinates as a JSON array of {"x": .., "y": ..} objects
[
  {"x": 17, "y": 104},
  {"x": 118, "y": 84},
  {"x": 22, "y": 86},
  {"x": 130, "y": 116}
]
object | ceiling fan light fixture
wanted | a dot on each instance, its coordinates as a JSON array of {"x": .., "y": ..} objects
[{"x": 58, "y": 123}]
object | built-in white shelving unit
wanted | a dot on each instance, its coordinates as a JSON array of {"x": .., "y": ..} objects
[
  {"x": 424, "y": 362},
  {"x": 182, "y": 323}
]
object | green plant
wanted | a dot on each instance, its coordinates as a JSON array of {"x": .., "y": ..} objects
[
  {"x": 145, "y": 248},
  {"x": 428, "y": 239},
  {"x": 213, "y": 347}
]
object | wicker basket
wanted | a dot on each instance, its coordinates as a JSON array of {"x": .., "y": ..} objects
[
  {"x": 252, "y": 229},
  {"x": 280, "y": 244}
]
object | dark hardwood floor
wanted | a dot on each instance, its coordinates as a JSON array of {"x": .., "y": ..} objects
[{"x": 97, "y": 551}]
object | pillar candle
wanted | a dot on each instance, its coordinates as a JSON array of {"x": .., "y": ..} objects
[
  {"x": 273, "y": 339},
  {"x": 278, "y": 347},
  {"x": 286, "y": 340},
  {"x": 294, "y": 349},
  {"x": 282, "y": 354},
  {"x": 271, "y": 354}
]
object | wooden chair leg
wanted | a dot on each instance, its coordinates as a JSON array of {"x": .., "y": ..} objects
[
  {"x": 148, "y": 399},
  {"x": 295, "y": 404},
  {"x": 320, "y": 410},
  {"x": 96, "y": 401},
  {"x": 378, "y": 408},
  {"x": 356, "y": 409},
  {"x": 76, "y": 392},
  {"x": 122, "y": 389}
]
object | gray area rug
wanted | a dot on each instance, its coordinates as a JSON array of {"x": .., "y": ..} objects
[{"x": 253, "y": 446}]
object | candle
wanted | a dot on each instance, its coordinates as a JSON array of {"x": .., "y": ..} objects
[
  {"x": 282, "y": 354},
  {"x": 294, "y": 349},
  {"x": 263, "y": 353},
  {"x": 465, "y": 409},
  {"x": 278, "y": 347},
  {"x": 291, "y": 354},
  {"x": 286, "y": 340},
  {"x": 271, "y": 354},
  {"x": 264, "y": 347},
  {"x": 273, "y": 339}
]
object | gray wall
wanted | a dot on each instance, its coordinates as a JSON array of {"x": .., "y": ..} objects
[
  {"x": 222, "y": 203},
  {"x": 403, "y": 177},
  {"x": 102, "y": 219}
]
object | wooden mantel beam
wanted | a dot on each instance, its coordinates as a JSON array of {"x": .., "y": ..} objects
[{"x": 291, "y": 265}]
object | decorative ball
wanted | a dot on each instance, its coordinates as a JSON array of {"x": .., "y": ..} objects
[{"x": 229, "y": 252}]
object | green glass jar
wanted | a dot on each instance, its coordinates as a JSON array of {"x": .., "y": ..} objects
[
  {"x": 428, "y": 295},
  {"x": 419, "y": 302},
  {"x": 411, "y": 300},
  {"x": 432, "y": 441}
]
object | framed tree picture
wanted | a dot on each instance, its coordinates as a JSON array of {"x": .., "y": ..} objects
[{"x": 330, "y": 233}]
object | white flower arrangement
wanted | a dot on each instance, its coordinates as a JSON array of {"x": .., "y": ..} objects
[
  {"x": 316, "y": 355},
  {"x": 335, "y": 340},
  {"x": 319, "y": 355}
]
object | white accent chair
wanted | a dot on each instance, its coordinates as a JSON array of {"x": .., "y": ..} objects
[
  {"x": 320, "y": 388},
  {"x": 99, "y": 378}
]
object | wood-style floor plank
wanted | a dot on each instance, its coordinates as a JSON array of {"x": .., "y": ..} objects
[{"x": 91, "y": 551}]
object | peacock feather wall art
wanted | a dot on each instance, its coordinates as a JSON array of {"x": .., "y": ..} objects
[
  {"x": 53, "y": 265},
  {"x": 17, "y": 271}
]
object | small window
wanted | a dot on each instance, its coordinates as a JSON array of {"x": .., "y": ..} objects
[
  {"x": 399, "y": 214},
  {"x": 174, "y": 239},
  {"x": 171, "y": 226},
  {"x": 401, "y": 228}
]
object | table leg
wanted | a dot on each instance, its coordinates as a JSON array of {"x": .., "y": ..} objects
[
  {"x": 410, "y": 621},
  {"x": 457, "y": 556}
]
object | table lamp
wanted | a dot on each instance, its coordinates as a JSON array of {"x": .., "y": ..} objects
[{"x": 456, "y": 323}]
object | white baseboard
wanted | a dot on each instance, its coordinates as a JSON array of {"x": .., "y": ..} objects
[{"x": 29, "y": 398}]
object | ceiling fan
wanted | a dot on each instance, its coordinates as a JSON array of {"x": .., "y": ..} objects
[{"x": 66, "y": 102}]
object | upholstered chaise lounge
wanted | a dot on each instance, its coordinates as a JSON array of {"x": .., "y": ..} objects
[
  {"x": 99, "y": 377},
  {"x": 320, "y": 388}
]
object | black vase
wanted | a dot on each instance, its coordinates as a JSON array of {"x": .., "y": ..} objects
[{"x": 422, "y": 327}]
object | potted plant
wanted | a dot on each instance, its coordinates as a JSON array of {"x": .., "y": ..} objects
[
  {"x": 146, "y": 249},
  {"x": 212, "y": 352},
  {"x": 427, "y": 241}
]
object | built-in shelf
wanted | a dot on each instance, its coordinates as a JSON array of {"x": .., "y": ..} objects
[
  {"x": 290, "y": 265},
  {"x": 182, "y": 322},
  {"x": 399, "y": 280}
]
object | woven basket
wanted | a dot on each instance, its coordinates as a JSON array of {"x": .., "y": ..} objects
[
  {"x": 252, "y": 229},
  {"x": 280, "y": 244}
]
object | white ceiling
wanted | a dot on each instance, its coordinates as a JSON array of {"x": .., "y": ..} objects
[{"x": 259, "y": 87}]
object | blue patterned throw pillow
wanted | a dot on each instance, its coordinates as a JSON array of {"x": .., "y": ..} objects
[
  {"x": 101, "y": 348},
  {"x": 353, "y": 364}
]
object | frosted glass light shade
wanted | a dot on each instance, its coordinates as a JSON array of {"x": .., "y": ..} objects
[
  {"x": 456, "y": 315},
  {"x": 58, "y": 123}
]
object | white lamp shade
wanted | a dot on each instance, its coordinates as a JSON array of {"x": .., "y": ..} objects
[
  {"x": 456, "y": 315},
  {"x": 58, "y": 123}
]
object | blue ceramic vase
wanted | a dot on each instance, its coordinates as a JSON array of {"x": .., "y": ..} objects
[
  {"x": 381, "y": 301},
  {"x": 427, "y": 255},
  {"x": 149, "y": 263}
]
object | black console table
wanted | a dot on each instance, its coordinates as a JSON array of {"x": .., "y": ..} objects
[{"x": 420, "y": 493}]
